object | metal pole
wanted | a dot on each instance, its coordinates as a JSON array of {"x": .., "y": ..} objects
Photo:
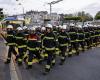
[{"x": 50, "y": 10}]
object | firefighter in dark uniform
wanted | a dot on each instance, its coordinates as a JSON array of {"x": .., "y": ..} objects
[
  {"x": 81, "y": 37},
  {"x": 20, "y": 44},
  {"x": 26, "y": 33},
  {"x": 49, "y": 44},
  {"x": 10, "y": 38},
  {"x": 87, "y": 37},
  {"x": 64, "y": 41},
  {"x": 92, "y": 36},
  {"x": 96, "y": 30},
  {"x": 74, "y": 43},
  {"x": 32, "y": 47}
]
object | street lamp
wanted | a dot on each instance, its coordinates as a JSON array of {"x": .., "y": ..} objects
[
  {"x": 21, "y": 5},
  {"x": 52, "y": 3}
]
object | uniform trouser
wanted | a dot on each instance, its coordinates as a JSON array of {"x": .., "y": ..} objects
[
  {"x": 74, "y": 45},
  {"x": 96, "y": 40},
  {"x": 82, "y": 44},
  {"x": 25, "y": 53},
  {"x": 21, "y": 54},
  {"x": 33, "y": 54},
  {"x": 63, "y": 52},
  {"x": 88, "y": 43},
  {"x": 50, "y": 59},
  {"x": 10, "y": 51}
]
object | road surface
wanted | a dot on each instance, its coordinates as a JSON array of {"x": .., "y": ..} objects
[{"x": 83, "y": 67}]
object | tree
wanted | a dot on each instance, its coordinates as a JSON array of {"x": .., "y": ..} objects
[
  {"x": 85, "y": 16},
  {"x": 97, "y": 16}
]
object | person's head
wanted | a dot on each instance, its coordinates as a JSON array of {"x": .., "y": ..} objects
[
  {"x": 25, "y": 28},
  {"x": 49, "y": 28},
  {"x": 63, "y": 28},
  {"x": 43, "y": 29},
  {"x": 32, "y": 30},
  {"x": 9, "y": 28},
  {"x": 19, "y": 29}
]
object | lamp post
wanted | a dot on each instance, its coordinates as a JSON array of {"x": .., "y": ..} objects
[
  {"x": 52, "y": 3},
  {"x": 21, "y": 5}
]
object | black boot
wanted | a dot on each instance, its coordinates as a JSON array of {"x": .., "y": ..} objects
[
  {"x": 46, "y": 71},
  {"x": 29, "y": 67},
  {"x": 19, "y": 63},
  {"x": 77, "y": 53},
  {"x": 62, "y": 62},
  {"x": 69, "y": 55}
]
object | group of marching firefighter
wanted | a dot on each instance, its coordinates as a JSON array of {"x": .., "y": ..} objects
[{"x": 45, "y": 44}]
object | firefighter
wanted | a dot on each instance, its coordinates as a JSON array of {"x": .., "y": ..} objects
[
  {"x": 87, "y": 37},
  {"x": 32, "y": 47},
  {"x": 74, "y": 43},
  {"x": 20, "y": 44},
  {"x": 26, "y": 33},
  {"x": 96, "y": 30},
  {"x": 10, "y": 42},
  {"x": 81, "y": 38},
  {"x": 64, "y": 41},
  {"x": 49, "y": 44}
]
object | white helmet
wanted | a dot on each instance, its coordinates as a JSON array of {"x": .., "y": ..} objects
[
  {"x": 38, "y": 26},
  {"x": 72, "y": 24},
  {"x": 64, "y": 27},
  {"x": 43, "y": 28},
  {"x": 25, "y": 27},
  {"x": 95, "y": 26},
  {"x": 79, "y": 26},
  {"x": 10, "y": 26},
  {"x": 59, "y": 26},
  {"x": 32, "y": 28},
  {"x": 49, "y": 26},
  {"x": 19, "y": 29},
  {"x": 85, "y": 26}
]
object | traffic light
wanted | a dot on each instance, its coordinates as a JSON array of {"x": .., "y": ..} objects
[{"x": 1, "y": 14}]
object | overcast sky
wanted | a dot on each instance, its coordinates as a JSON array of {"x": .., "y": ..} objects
[{"x": 65, "y": 6}]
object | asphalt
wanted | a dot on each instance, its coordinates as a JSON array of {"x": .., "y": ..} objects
[
  {"x": 86, "y": 66},
  {"x": 4, "y": 69}
]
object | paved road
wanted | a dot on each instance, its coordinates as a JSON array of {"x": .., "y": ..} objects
[
  {"x": 4, "y": 69},
  {"x": 83, "y": 67}
]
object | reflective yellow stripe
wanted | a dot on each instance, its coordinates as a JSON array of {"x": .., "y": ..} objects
[
  {"x": 63, "y": 36},
  {"x": 30, "y": 63},
  {"x": 57, "y": 49},
  {"x": 48, "y": 66},
  {"x": 73, "y": 41},
  {"x": 50, "y": 48},
  {"x": 35, "y": 60},
  {"x": 20, "y": 60},
  {"x": 45, "y": 55},
  {"x": 37, "y": 48},
  {"x": 48, "y": 37},
  {"x": 72, "y": 32},
  {"x": 70, "y": 53},
  {"x": 63, "y": 44},
  {"x": 10, "y": 44},
  {"x": 22, "y": 46},
  {"x": 9, "y": 35},
  {"x": 19, "y": 37},
  {"x": 80, "y": 33},
  {"x": 53, "y": 61},
  {"x": 39, "y": 41},
  {"x": 32, "y": 49}
]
